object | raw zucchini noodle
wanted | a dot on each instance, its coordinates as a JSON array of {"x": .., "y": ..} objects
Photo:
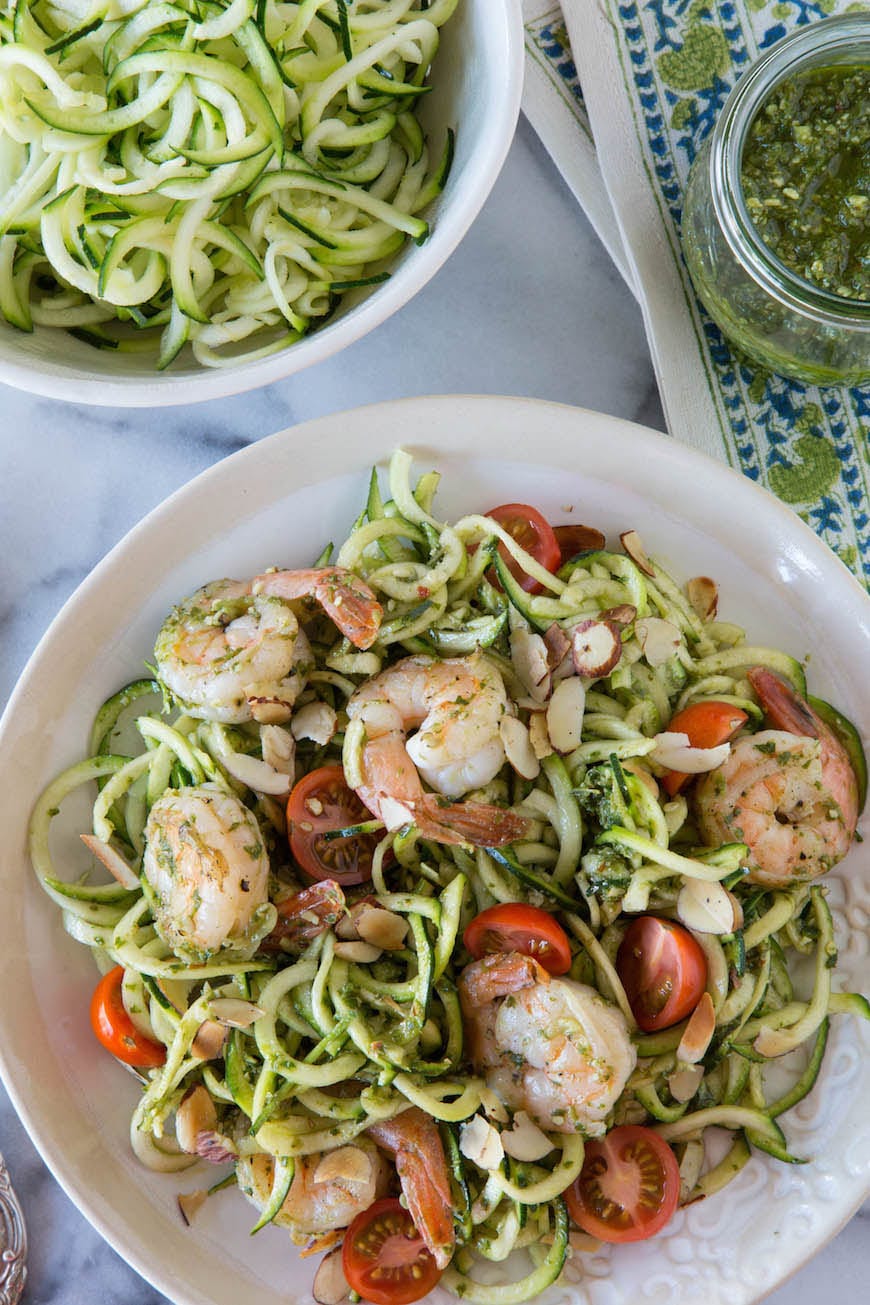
[
  {"x": 317, "y": 1027},
  {"x": 215, "y": 174}
]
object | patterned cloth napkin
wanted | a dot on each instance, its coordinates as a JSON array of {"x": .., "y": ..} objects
[{"x": 655, "y": 74}]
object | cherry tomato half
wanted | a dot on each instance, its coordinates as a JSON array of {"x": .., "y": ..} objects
[
  {"x": 707, "y": 724},
  {"x": 384, "y": 1258},
  {"x": 319, "y": 803},
  {"x": 629, "y": 1186},
  {"x": 663, "y": 971},
  {"x": 533, "y": 533},
  {"x": 575, "y": 539},
  {"x": 114, "y": 1028},
  {"x": 515, "y": 927}
]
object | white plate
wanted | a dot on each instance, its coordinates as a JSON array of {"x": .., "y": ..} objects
[{"x": 277, "y": 502}]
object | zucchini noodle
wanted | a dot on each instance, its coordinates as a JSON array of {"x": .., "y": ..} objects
[
  {"x": 190, "y": 172},
  {"x": 337, "y": 1009}
]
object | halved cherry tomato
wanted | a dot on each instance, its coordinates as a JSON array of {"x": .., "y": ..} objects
[
  {"x": 533, "y": 533},
  {"x": 663, "y": 971},
  {"x": 319, "y": 803},
  {"x": 707, "y": 724},
  {"x": 384, "y": 1258},
  {"x": 629, "y": 1186},
  {"x": 114, "y": 1028},
  {"x": 514, "y": 927},
  {"x": 574, "y": 539}
]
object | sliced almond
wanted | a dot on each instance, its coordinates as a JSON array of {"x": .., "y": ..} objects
[
  {"x": 196, "y": 1114},
  {"x": 706, "y": 907},
  {"x": 330, "y": 1286},
  {"x": 576, "y": 538},
  {"x": 383, "y": 930},
  {"x": 250, "y": 771},
  {"x": 209, "y": 1040},
  {"x": 525, "y": 1141},
  {"x": 632, "y": 544},
  {"x": 362, "y": 953},
  {"x": 596, "y": 647},
  {"x": 529, "y": 658},
  {"x": 279, "y": 749},
  {"x": 111, "y": 858},
  {"x": 558, "y": 645},
  {"x": 518, "y": 747},
  {"x": 737, "y": 907},
  {"x": 189, "y": 1203},
  {"x": 235, "y": 1011},
  {"x": 622, "y": 615},
  {"x": 565, "y": 714},
  {"x": 395, "y": 814},
  {"x": 270, "y": 711},
  {"x": 703, "y": 595},
  {"x": 698, "y": 1033},
  {"x": 675, "y": 752},
  {"x": 349, "y": 1163},
  {"x": 684, "y": 1083},
  {"x": 215, "y": 1147},
  {"x": 659, "y": 639},
  {"x": 316, "y": 721},
  {"x": 538, "y": 736},
  {"x": 480, "y": 1143}
]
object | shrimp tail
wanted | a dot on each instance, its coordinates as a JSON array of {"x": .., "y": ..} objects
[
  {"x": 412, "y": 1138},
  {"x": 477, "y": 823},
  {"x": 345, "y": 598},
  {"x": 498, "y": 975},
  {"x": 784, "y": 708}
]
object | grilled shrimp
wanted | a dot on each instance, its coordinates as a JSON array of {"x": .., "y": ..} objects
[
  {"x": 209, "y": 874},
  {"x": 233, "y": 651},
  {"x": 789, "y": 793},
  {"x": 551, "y": 1047},
  {"x": 456, "y": 707}
]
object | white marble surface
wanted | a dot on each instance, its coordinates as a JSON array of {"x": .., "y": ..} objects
[{"x": 530, "y": 305}]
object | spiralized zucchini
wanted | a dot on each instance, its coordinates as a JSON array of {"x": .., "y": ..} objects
[
  {"x": 218, "y": 174},
  {"x": 603, "y": 843}
]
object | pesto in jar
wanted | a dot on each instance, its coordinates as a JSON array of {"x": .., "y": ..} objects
[{"x": 806, "y": 177}]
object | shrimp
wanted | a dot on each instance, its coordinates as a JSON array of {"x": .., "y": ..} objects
[
  {"x": 412, "y": 1138},
  {"x": 233, "y": 651},
  {"x": 328, "y": 1190},
  {"x": 458, "y": 705},
  {"x": 552, "y": 1047},
  {"x": 209, "y": 874},
  {"x": 789, "y": 793}
]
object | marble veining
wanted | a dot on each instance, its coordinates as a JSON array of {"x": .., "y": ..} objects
[{"x": 530, "y": 304}]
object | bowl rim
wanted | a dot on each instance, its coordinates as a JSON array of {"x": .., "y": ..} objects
[{"x": 505, "y": 37}]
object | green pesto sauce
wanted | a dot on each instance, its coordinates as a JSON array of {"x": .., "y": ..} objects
[{"x": 806, "y": 177}]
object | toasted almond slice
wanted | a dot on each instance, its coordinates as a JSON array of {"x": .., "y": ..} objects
[
  {"x": 525, "y": 1141},
  {"x": 330, "y": 1286},
  {"x": 382, "y": 929},
  {"x": 698, "y": 1032},
  {"x": 270, "y": 711},
  {"x": 196, "y": 1114},
  {"x": 565, "y": 714},
  {"x": 737, "y": 906},
  {"x": 622, "y": 615},
  {"x": 659, "y": 639},
  {"x": 111, "y": 858},
  {"x": 632, "y": 544},
  {"x": 706, "y": 907},
  {"x": 349, "y": 1163},
  {"x": 316, "y": 721},
  {"x": 675, "y": 752},
  {"x": 529, "y": 658},
  {"x": 235, "y": 1011},
  {"x": 395, "y": 814},
  {"x": 596, "y": 647},
  {"x": 703, "y": 595},
  {"x": 209, "y": 1040},
  {"x": 518, "y": 747},
  {"x": 558, "y": 645},
  {"x": 684, "y": 1082},
  {"x": 189, "y": 1203},
  {"x": 538, "y": 736},
  {"x": 279, "y": 749},
  {"x": 250, "y": 771},
  {"x": 480, "y": 1143},
  {"x": 362, "y": 953},
  {"x": 215, "y": 1147}
]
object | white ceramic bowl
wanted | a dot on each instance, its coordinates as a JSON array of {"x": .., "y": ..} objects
[
  {"x": 477, "y": 87},
  {"x": 278, "y": 502}
]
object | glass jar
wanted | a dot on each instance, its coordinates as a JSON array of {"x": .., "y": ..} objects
[{"x": 770, "y": 312}]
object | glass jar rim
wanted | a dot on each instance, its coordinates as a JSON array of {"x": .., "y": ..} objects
[{"x": 809, "y": 46}]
